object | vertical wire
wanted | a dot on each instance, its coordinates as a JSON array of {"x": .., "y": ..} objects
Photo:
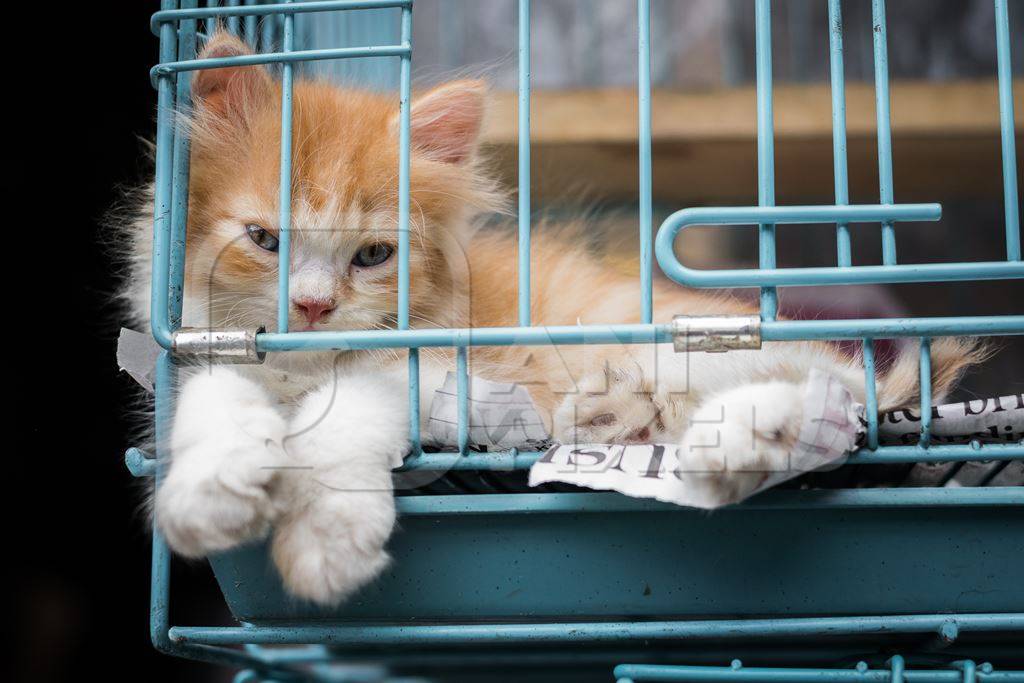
[
  {"x": 882, "y": 113},
  {"x": 1005, "y": 68},
  {"x": 968, "y": 668},
  {"x": 233, "y": 22},
  {"x": 162, "y": 188},
  {"x": 926, "y": 391},
  {"x": 160, "y": 572},
  {"x": 896, "y": 668},
  {"x": 285, "y": 180},
  {"x": 179, "y": 189},
  {"x": 267, "y": 34},
  {"x": 765, "y": 149},
  {"x": 404, "y": 142},
  {"x": 210, "y": 24},
  {"x": 839, "y": 163},
  {"x": 462, "y": 382},
  {"x": 870, "y": 393},
  {"x": 250, "y": 26},
  {"x": 644, "y": 105},
  {"x": 524, "y": 163}
]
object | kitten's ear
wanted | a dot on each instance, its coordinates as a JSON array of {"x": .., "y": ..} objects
[
  {"x": 445, "y": 122},
  {"x": 232, "y": 90}
]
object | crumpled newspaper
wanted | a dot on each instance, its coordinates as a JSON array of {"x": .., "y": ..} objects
[
  {"x": 137, "y": 354},
  {"x": 501, "y": 415},
  {"x": 833, "y": 426}
]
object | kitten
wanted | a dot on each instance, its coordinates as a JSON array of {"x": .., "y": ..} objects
[{"x": 303, "y": 446}]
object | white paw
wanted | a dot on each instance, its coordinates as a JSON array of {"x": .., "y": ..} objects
[
  {"x": 613, "y": 406},
  {"x": 225, "y": 450},
  {"x": 217, "y": 496},
  {"x": 736, "y": 440},
  {"x": 335, "y": 545}
]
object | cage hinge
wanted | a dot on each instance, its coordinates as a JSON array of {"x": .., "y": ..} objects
[
  {"x": 715, "y": 333},
  {"x": 235, "y": 347}
]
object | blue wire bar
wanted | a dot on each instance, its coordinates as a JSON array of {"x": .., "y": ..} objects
[
  {"x": 896, "y": 669},
  {"x": 593, "y": 632},
  {"x": 887, "y": 328},
  {"x": 524, "y": 163},
  {"x": 169, "y": 16},
  {"x": 772, "y": 330},
  {"x": 209, "y": 23},
  {"x": 768, "y": 277},
  {"x": 179, "y": 184},
  {"x": 839, "y": 163},
  {"x": 511, "y": 460},
  {"x": 1010, "y": 187},
  {"x": 462, "y": 383},
  {"x": 171, "y": 67},
  {"x": 967, "y": 672},
  {"x": 404, "y": 178},
  {"x": 266, "y": 34},
  {"x": 250, "y": 25},
  {"x": 644, "y": 141},
  {"x": 765, "y": 150},
  {"x": 285, "y": 181},
  {"x": 161, "y": 318},
  {"x": 870, "y": 393},
  {"x": 882, "y": 110},
  {"x": 233, "y": 19},
  {"x": 926, "y": 392}
]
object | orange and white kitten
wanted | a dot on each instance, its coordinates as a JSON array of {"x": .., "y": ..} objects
[{"x": 303, "y": 446}]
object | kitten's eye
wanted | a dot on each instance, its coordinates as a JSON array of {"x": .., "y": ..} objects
[
  {"x": 260, "y": 236},
  {"x": 604, "y": 420},
  {"x": 372, "y": 255}
]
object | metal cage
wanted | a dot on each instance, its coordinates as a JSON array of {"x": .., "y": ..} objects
[{"x": 951, "y": 596}]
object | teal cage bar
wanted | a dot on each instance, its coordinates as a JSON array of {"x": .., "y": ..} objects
[{"x": 917, "y": 627}]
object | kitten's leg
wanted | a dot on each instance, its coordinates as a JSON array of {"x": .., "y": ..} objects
[
  {"x": 637, "y": 397},
  {"x": 737, "y": 438},
  {"x": 615, "y": 405},
  {"x": 346, "y": 437},
  {"x": 225, "y": 442}
]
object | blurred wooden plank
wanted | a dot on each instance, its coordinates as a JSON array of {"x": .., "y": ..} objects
[{"x": 945, "y": 141}]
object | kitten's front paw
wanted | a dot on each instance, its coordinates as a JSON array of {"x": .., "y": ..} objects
[
  {"x": 335, "y": 545},
  {"x": 220, "y": 499},
  {"x": 737, "y": 439},
  {"x": 613, "y": 406}
]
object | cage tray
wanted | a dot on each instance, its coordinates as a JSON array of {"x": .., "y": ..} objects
[{"x": 601, "y": 556}]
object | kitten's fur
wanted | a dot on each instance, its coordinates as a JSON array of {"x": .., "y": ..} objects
[{"x": 304, "y": 444}]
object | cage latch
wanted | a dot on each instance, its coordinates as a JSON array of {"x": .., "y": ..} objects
[
  {"x": 233, "y": 347},
  {"x": 716, "y": 333}
]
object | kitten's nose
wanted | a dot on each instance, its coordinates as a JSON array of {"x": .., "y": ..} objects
[{"x": 314, "y": 309}]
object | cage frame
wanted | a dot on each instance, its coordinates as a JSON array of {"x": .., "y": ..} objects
[{"x": 177, "y": 24}]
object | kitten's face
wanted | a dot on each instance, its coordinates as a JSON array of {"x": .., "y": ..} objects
[{"x": 343, "y": 272}]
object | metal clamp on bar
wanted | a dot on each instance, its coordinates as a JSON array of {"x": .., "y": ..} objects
[
  {"x": 232, "y": 347},
  {"x": 715, "y": 334}
]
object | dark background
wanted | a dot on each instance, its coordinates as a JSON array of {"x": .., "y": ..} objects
[{"x": 80, "y": 552}]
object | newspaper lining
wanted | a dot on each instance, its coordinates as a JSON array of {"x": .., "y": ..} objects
[
  {"x": 137, "y": 354},
  {"x": 503, "y": 416}
]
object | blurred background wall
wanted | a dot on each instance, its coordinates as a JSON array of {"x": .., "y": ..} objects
[{"x": 942, "y": 63}]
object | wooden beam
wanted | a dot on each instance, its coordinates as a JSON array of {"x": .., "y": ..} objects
[{"x": 945, "y": 141}]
